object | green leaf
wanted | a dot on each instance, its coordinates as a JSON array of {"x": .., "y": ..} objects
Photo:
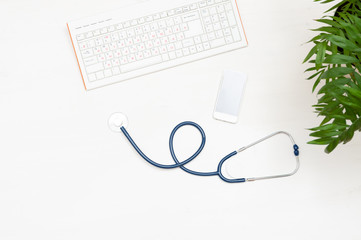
[
  {"x": 329, "y": 22},
  {"x": 310, "y": 54},
  {"x": 316, "y": 83},
  {"x": 321, "y": 51},
  {"x": 354, "y": 92},
  {"x": 321, "y": 141},
  {"x": 340, "y": 59},
  {"x": 337, "y": 72},
  {"x": 331, "y": 30},
  {"x": 332, "y": 146},
  {"x": 343, "y": 43},
  {"x": 314, "y": 75},
  {"x": 324, "y": 134},
  {"x": 330, "y": 126},
  {"x": 336, "y": 6}
]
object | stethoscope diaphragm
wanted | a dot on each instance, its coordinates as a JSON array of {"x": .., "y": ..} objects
[{"x": 116, "y": 121}]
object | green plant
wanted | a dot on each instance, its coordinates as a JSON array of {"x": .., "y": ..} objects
[{"x": 336, "y": 68}]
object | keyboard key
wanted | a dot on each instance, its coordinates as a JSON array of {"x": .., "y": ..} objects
[
  {"x": 126, "y": 24},
  {"x": 188, "y": 42},
  {"x": 149, "y": 44},
  {"x": 134, "y": 22},
  {"x": 107, "y": 64},
  {"x": 87, "y": 53},
  {"x": 220, "y": 8},
  {"x": 177, "y": 20},
  {"x": 212, "y": 11},
  {"x": 80, "y": 37},
  {"x": 109, "y": 55},
  {"x": 184, "y": 27},
  {"x": 155, "y": 51},
  {"x": 190, "y": 16},
  {"x": 176, "y": 29},
  {"x": 83, "y": 46},
  {"x": 179, "y": 53},
  {"x": 94, "y": 68},
  {"x": 108, "y": 73},
  {"x": 147, "y": 53},
  {"x": 197, "y": 40},
  {"x": 171, "y": 12},
  {"x": 101, "y": 58},
  {"x": 119, "y": 26},
  {"x": 92, "y": 77},
  {"x": 165, "y": 57},
  {"x": 113, "y": 45},
  {"x": 131, "y": 58},
  {"x": 186, "y": 8},
  {"x": 89, "y": 35},
  {"x": 194, "y": 28},
  {"x": 231, "y": 19},
  {"x": 172, "y": 55},
  {"x": 193, "y": 49},
  {"x": 204, "y": 38},
  {"x": 185, "y": 51},
  {"x": 199, "y": 47},
  {"x": 219, "y": 34},
  {"x": 178, "y": 10},
  {"x": 123, "y": 60},
  {"x": 228, "y": 6},
  {"x": 204, "y": 12},
  {"x": 162, "y": 24},
  {"x": 235, "y": 34},
  {"x": 215, "y": 18},
  {"x": 170, "y": 22},
  {"x": 210, "y": 2},
  {"x": 140, "y": 64},
  {"x": 163, "y": 15},
  {"x": 116, "y": 70},
  {"x": 115, "y": 62},
  {"x": 90, "y": 60},
  {"x": 122, "y": 35},
  {"x": 178, "y": 45},
  {"x": 115, "y": 37},
  {"x": 224, "y": 24},
  {"x": 171, "y": 47},
  {"x": 206, "y": 45},
  {"x": 100, "y": 75},
  {"x": 229, "y": 39},
  {"x": 125, "y": 51},
  {"x": 139, "y": 56},
  {"x": 202, "y": 4},
  {"x": 217, "y": 42},
  {"x": 180, "y": 36},
  {"x": 193, "y": 6}
]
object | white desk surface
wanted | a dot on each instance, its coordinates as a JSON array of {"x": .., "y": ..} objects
[{"x": 64, "y": 175}]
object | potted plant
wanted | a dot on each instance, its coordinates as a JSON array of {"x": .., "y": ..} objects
[{"x": 336, "y": 72}]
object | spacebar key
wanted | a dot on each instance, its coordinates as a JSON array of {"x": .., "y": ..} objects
[{"x": 140, "y": 64}]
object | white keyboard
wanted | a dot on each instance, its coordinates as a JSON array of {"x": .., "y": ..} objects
[{"x": 149, "y": 37}]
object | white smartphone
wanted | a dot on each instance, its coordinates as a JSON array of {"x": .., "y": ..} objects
[{"x": 229, "y": 96}]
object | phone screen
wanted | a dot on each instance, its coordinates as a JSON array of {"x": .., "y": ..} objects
[{"x": 229, "y": 96}]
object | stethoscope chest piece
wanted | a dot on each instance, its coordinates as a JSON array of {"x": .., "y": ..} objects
[{"x": 116, "y": 121}]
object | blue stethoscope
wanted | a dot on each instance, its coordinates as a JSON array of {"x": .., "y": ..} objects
[{"x": 118, "y": 122}]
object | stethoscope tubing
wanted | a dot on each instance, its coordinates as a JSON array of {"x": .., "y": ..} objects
[{"x": 181, "y": 164}]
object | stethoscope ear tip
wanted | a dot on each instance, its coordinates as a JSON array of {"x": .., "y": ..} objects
[{"x": 116, "y": 121}]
